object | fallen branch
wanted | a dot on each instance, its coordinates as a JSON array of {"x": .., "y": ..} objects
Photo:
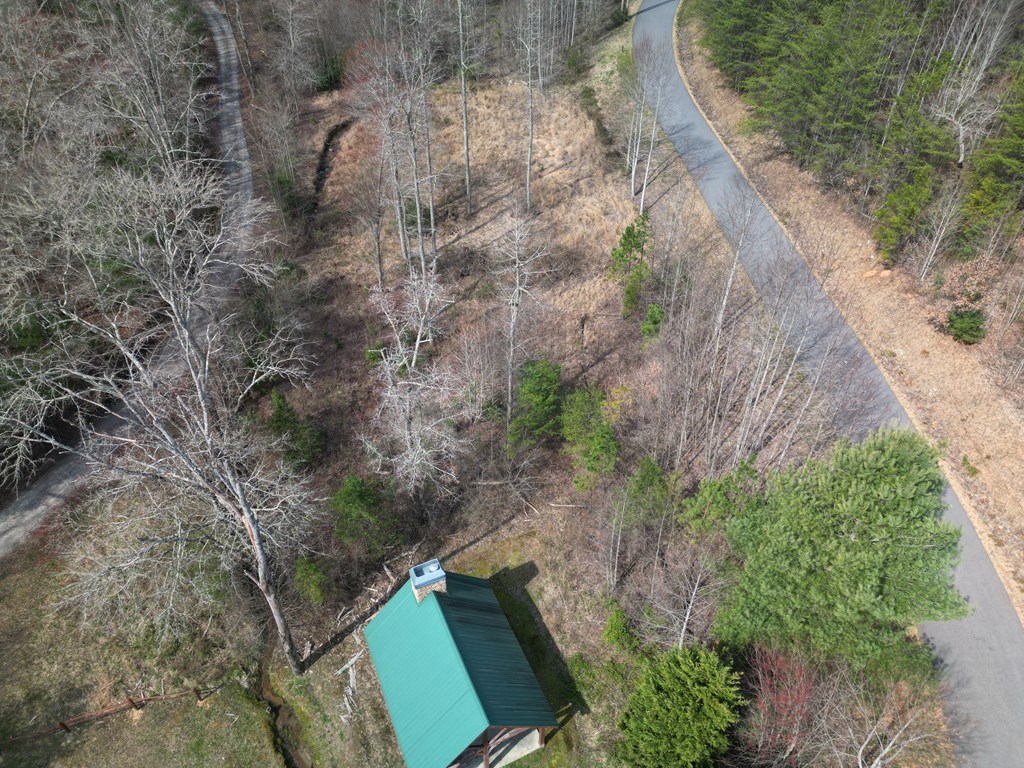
[{"x": 67, "y": 724}]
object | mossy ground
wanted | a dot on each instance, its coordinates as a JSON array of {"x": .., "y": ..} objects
[{"x": 54, "y": 670}]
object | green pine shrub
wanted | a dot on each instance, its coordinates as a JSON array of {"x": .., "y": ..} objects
[
  {"x": 619, "y": 17},
  {"x": 629, "y": 253},
  {"x": 966, "y": 325},
  {"x": 538, "y": 404},
  {"x": 309, "y": 579},
  {"x": 647, "y": 494},
  {"x": 330, "y": 75},
  {"x": 589, "y": 435},
  {"x": 617, "y": 632},
  {"x": 576, "y": 63},
  {"x": 899, "y": 216},
  {"x": 306, "y": 440},
  {"x": 362, "y": 514},
  {"x": 651, "y": 326},
  {"x": 680, "y": 712},
  {"x": 632, "y": 289},
  {"x": 375, "y": 354}
]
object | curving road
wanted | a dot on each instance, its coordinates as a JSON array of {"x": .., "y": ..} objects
[
  {"x": 69, "y": 474},
  {"x": 983, "y": 655}
]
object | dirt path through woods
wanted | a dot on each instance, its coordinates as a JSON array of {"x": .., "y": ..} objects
[{"x": 69, "y": 474}]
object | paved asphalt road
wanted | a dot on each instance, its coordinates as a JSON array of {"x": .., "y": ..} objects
[
  {"x": 70, "y": 473},
  {"x": 983, "y": 654}
]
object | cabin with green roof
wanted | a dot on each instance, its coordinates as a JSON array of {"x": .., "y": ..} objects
[{"x": 457, "y": 685}]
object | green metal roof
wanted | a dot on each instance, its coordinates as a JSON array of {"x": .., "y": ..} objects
[{"x": 449, "y": 667}]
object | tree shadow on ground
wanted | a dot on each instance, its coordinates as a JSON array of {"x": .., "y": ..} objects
[
  {"x": 428, "y": 544},
  {"x": 546, "y": 660}
]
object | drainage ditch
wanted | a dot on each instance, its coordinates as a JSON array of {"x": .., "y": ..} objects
[
  {"x": 285, "y": 723},
  {"x": 323, "y": 166}
]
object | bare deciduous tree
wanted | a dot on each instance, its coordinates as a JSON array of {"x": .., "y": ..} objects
[
  {"x": 479, "y": 366},
  {"x": 292, "y": 57},
  {"x": 153, "y": 376},
  {"x": 942, "y": 222},
  {"x": 151, "y": 86},
  {"x": 414, "y": 438},
  {"x": 41, "y": 65},
  {"x": 399, "y": 71},
  {"x": 466, "y": 12},
  {"x": 883, "y": 729},
  {"x": 685, "y": 592},
  {"x": 977, "y": 34},
  {"x": 528, "y": 45},
  {"x": 518, "y": 267},
  {"x": 368, "y": 197},
  {"x": 654, "y": 74},
  {"x": 1013, "y": 352},
  {"x": 811, "y": 713},
  {"x": 738, "y": 375}
]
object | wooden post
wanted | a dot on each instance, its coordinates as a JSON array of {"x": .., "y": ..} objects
[
  {"x": 542, "y": 733},
  {"x": 485, "y": 751},
  {"x": 199, "y": 696},
  {"x": 64, "y": 726},
  {"x": 135, "y": 704}
]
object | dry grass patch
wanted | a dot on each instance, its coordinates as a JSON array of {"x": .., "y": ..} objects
[{"x": 544, "y": 561}]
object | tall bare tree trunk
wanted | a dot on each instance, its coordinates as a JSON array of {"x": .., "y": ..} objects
[
  {"x": 650, "y": 152},
  {"x": 265, "y": 583},
  {"x": 527, "y": 25},
  {"x": 378, "y": 251},
  {"x": 463, "y": 65},
  {"x": 403, "y": 240},
  {"x": 430, "y": 172},
  {"x": 417, "y": 199},
  {"x": 529, "y": 145},
  {"x": 518, "y": 263}
]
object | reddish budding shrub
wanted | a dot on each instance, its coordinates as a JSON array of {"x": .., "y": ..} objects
[{"x": 782, "y": 707}]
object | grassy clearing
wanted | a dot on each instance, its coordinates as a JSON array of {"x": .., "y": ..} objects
[
  {"x": 229, "y": 729},
  {"x": 53, "y": 671},
  {"x": 316, "y": 700},
  {"x": 329, "y": 733}
]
